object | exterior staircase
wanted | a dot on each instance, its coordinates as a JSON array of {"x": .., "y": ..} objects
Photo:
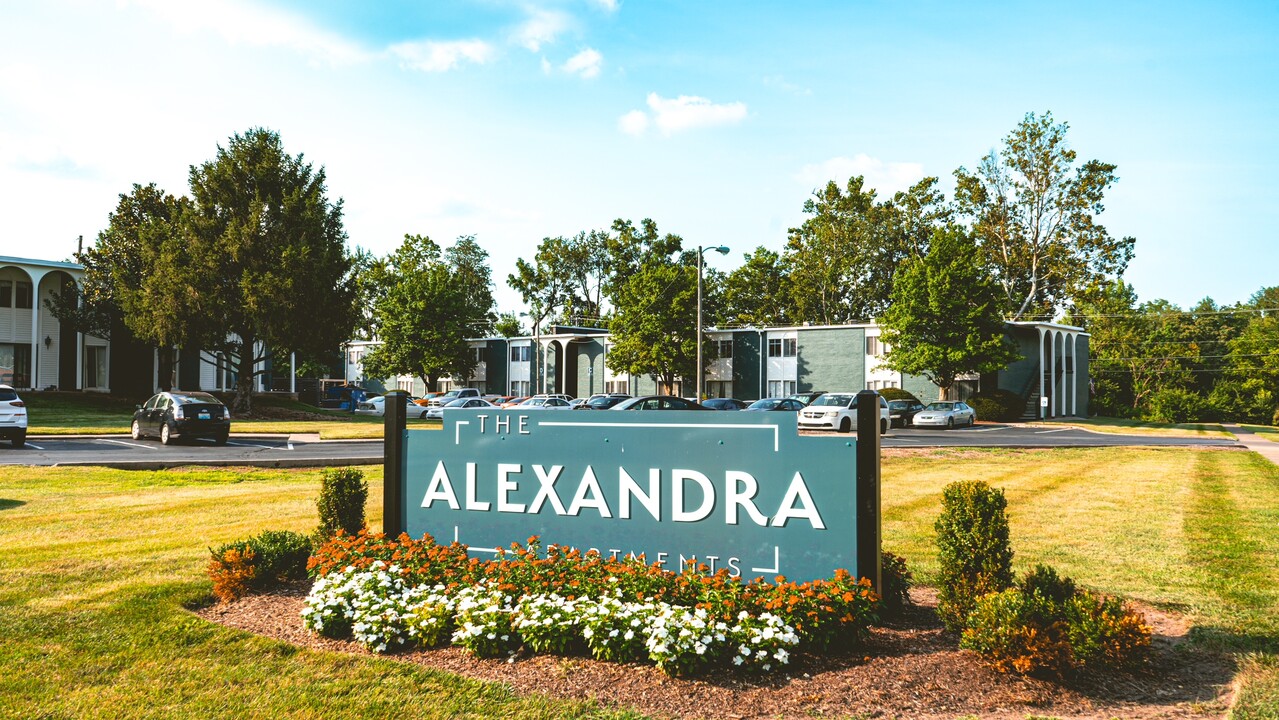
[{"x": 1032, "y": 408}]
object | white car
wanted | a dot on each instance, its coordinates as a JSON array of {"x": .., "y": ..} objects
[
  {"x": 945, "y": 414},
  {"x": 838, "y": 411},
  {"x": 377, "y": 406},
  {"x": 13, "y": 416},
  {"x": 437, "y": 413},
  {"x": 545, "y": 402}
]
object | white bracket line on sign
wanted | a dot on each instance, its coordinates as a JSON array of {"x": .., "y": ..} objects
[
  {"x": 471, "y": 547},
  {"x": 772, "y": 428},
  {"x": 777, "y": 563},
  {"x": 457, "y": 431},
  {"x": 121, "y": 442}
]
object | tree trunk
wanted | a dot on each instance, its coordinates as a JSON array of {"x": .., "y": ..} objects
[{"x": 243, "y": 401}]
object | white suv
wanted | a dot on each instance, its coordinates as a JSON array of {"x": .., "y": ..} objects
[
  {"x": 838, "y": 411},
  {"x": 13, "y": 416}
]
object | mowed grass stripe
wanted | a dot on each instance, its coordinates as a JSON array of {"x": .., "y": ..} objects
[{"x": 1232, "y": 529}]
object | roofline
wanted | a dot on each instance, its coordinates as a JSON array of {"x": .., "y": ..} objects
[{"x": 10, "y": 260}]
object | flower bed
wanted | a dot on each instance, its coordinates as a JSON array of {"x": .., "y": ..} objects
[{"x": 394, "y": 593}]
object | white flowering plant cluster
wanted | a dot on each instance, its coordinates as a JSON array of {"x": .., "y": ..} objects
[{"x": 383, "y": 612}]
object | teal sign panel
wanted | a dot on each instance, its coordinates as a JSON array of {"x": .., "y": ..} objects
[{"x": 740, "y": 491}]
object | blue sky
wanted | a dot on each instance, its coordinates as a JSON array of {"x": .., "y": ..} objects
[{"x": 514, "y": 121}]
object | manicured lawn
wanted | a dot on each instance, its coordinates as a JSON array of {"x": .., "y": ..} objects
[
  {"x": 1268, "y": 432},
  {"x": 96, "y": 566},
  {"x": 1137, "y": 427}
]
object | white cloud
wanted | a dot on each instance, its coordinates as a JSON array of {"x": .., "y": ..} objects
[
  {"x": 608, "y": 5},
  {"x": 542, "y": 28},
  {"x": 586, "y": 63},
  {"x": 438, "y": 56},
  {"x": 887, "y": 178},
  {"x": 242, "y": 23},
  {"x": 689, "y": 111},
  {"x": 779, "y": 82},
  {"x": 634, "y": 122}
]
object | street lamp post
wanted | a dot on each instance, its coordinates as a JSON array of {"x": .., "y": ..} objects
[{"x": 722, "y": 250}]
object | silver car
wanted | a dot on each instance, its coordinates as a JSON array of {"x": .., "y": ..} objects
[
  {"x": 945, "y": 414},
  {"x": 437, "y": 413}
]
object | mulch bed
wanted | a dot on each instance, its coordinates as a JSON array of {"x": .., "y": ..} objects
[{"x": 910, "y": 668}]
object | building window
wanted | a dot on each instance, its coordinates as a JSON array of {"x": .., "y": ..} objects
[
  {"x": 15, "y": 365},
  {"x": 874, "y": 347},
  {"x": 22, "y": 295},
  {"x": 519, "y": 353},
  {"x": 519, "y": 388},
  {"x": 6, "y": 293},
  {"x": 719, "y": 389},
  {"x": 618, "y": 386},
  {"x": 881, "y": 384},
  {"x": 481, "y": 354},
  {"x": 95, "y": 366},
  {"x": 782, "y": 347},
  {"x": 781, "y": 388},
  {"x": 721, "y": 349}
]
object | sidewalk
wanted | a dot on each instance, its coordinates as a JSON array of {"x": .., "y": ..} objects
[{"x": 1267, "y": 449}]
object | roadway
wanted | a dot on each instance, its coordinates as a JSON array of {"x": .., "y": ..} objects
[{"x": 309, "y": 451}]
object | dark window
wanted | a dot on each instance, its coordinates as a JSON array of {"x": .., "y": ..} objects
[
  {"x": 790, "y": 347},
  {"x": 774, "y": 347},
  {"x": 22, "y": 295},
  {"x": 6, "y": 293}
]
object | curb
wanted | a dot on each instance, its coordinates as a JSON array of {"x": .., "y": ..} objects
[{"x": 281, "y": 463}]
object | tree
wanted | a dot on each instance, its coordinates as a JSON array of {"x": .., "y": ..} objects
[
  {"x": 259, "y": 267},
  {"x": 843, "y": 259},
  {"x": 944, "y": 318},
  {"x": 758, "y": 292},
  {"x": 1034, "y": 215},
  {"x": 1250, "y": 389},
  {"x": 509, "y": 325},
  {"x": 431, "y": 302},
  {"x": 654, "y": 296}
]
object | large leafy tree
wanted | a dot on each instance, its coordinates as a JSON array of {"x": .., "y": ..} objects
[
  {"x": 758, "y": 292},
  {"x": 117, "y": 266},
  {"x": 1035, "y": 217},
  {"x": 843, "y": 259},
  {"x": 945, "y": 320},
  {"x": 653, "y": 289},
  {"x": 1249, "y": 391},
  {"x": 260, "y": 266},
  {"x": 430, "y": 302}
]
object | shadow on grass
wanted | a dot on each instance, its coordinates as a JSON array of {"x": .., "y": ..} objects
[{"x": 11, "y": 504}]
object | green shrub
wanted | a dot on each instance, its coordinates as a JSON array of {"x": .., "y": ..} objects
[
  {"x": 1174, "y": 405},
  {"x": 897, "y": 394},
  {"x": 259, "y": 563},
  {"x": 1020, "y": 632},
  {"x": 343, "y": 493},
  {"x": 998, "y": 405},
  {"x": 1274, "y": 419},
  {"x": 1046, "y": 625},
  {"x": 973, "y": 549},
  {"x": 1104, "y": 633},
  {"x": 897, "y": 581}
]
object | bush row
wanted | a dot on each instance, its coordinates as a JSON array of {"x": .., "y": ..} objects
[{"x": 258, "y": 564}]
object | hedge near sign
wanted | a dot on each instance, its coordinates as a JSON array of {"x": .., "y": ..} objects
[{"x": 738, "y": 491}]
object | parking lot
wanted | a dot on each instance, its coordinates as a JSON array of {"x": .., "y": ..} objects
[{"x": 309, "y": 450}]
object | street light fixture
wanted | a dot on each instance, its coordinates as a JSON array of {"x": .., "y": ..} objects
[{"x": 701, "y": 251}]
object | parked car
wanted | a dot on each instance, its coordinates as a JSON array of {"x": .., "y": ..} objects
[
  {"x": 838, "y": 411},
  {"x": 13, "y": 416},
  {"x": 544, "y": 402},
  {"x": 377, "y": 406},
  {"x": 603, "y": 402},
  {"x": 515, "y": 401},
  {"x": 173, "y": 415},
  {"x": 776, "y": 404},
  {"x": 945, "y": 414},
  {"x": 902, "y": 412},
  {"x": 724, "y": 404},
  {"x": 657, "y": 402},
  {"x": 451, "y": 395},
  {"x": 807, "y": 398},
  {"x": 437, "y": 413}
]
